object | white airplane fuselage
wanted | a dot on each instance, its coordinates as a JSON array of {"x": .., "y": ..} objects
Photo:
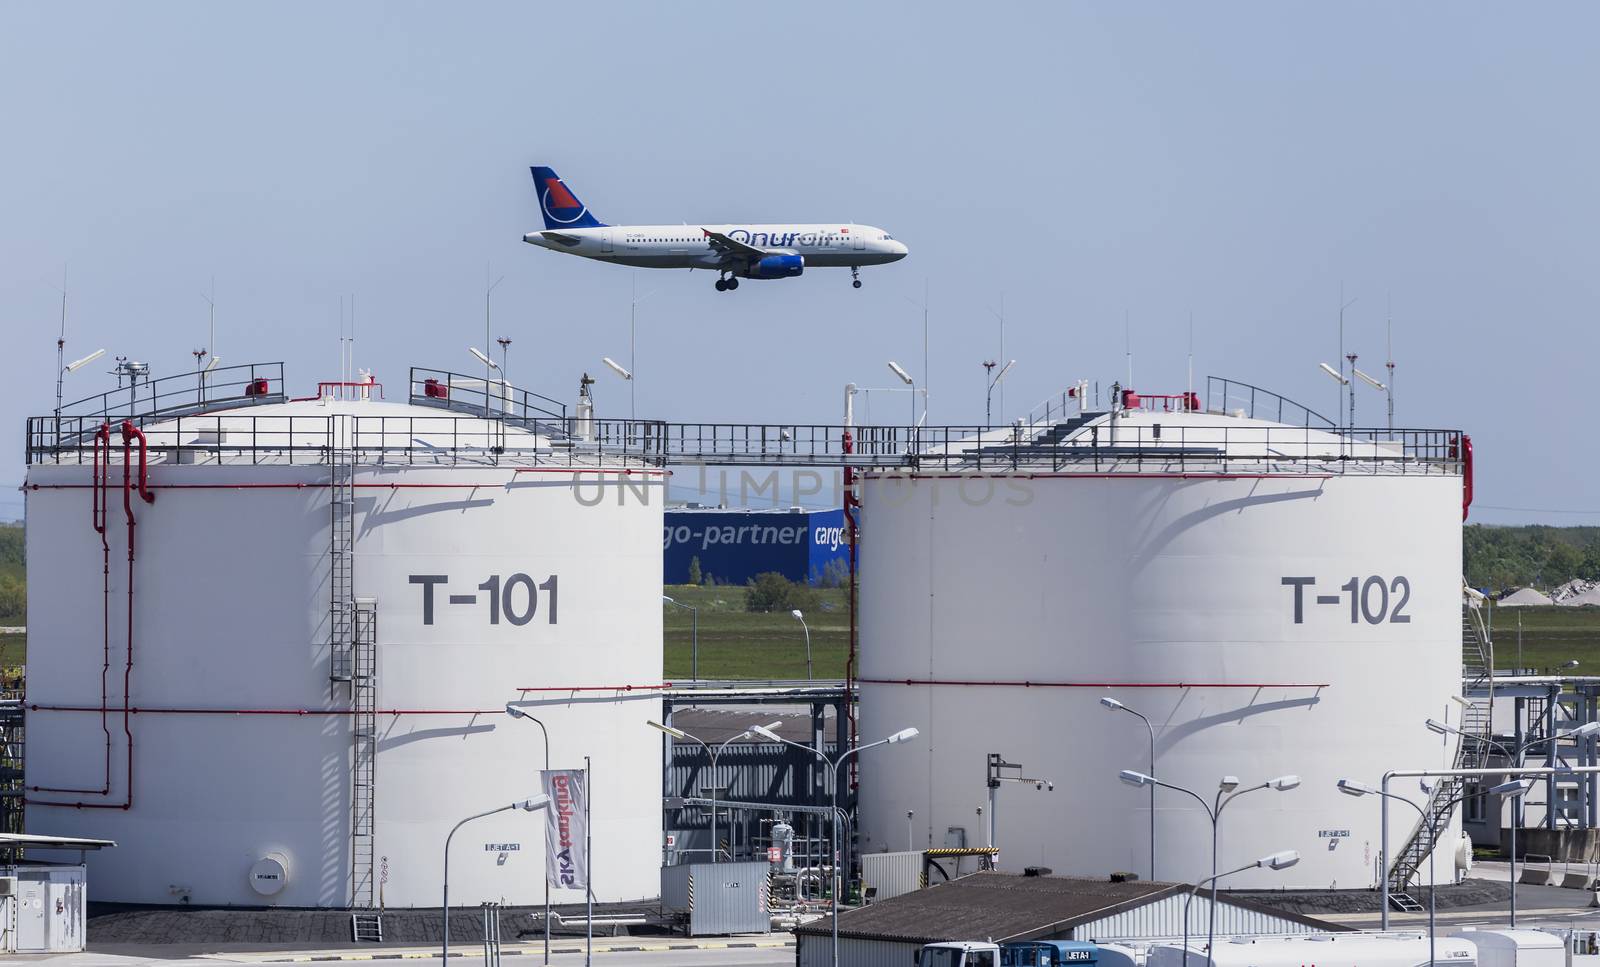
[{"x": 688, "y": 246}]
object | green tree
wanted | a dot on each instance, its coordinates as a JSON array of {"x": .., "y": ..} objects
[{"x": 695, "y": 576}]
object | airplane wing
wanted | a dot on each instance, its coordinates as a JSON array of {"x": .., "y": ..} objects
[{"x": 729, "y": 248}]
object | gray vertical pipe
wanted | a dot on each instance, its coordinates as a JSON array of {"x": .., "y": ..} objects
[{"x": 1550, "y": 803}]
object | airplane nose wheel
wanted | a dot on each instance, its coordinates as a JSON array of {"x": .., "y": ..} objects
[{"x": 855, "y": 276}]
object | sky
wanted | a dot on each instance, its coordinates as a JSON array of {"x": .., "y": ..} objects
[{"x": 1104, "y": 172}]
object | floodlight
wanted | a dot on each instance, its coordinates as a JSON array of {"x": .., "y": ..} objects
[
  {"x": 1135, "y": 778},
  {"x": 537, "y": 802},
  {"x": 1279, "y": 861},
  {"x": 1228, "y": 783},
  {"x": 764, "y": 732},
  {"x": 616, "y": 367},
  {"x": 1374, "y": 383},
  {"x": 212, "y": 365},
  {"x": 1283, "y": 783},
  {"x": 905, "y": 377},
  {"x": 903, "y": 735},
  {"x": 1334, "y": 374},
  {"x": 1111, "y": 703},
  {"x": 1434, "y": 725},
  {"x": 76, "y": 364}
]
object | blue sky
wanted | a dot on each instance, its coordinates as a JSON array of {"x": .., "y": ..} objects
[{"x": 1238, "y": 161}]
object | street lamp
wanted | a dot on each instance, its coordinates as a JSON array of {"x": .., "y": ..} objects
[
  {"x": 1276, "y": 861},
  {"x": 988, "y": 399},
  {"x": 1227, "y": 791},
  {"x": 798, "y": 616},
  {"x": 833, "y": 771},
  {"x": 1515, "y": 788},
  {"x": 1513, "y": 758},
  {"x": 716, "y": 850},
  {"x": 519, "y": 713},
  {"x": 531, "y": 805},
  {"x": 1117, "y": 706},
  {"x": 694, "y": 634}
]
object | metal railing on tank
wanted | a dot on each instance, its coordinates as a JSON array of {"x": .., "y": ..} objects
[
  {"x": 1231, "y": 397},
  {"x": 488, "y": 397},
  {"x": 248, "y": 384}
]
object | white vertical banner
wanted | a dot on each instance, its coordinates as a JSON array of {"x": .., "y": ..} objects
[{"x": 565, "y": 863}]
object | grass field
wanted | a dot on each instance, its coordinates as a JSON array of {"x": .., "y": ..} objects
[
  {"x": 735, "y": 643},
  {"x": 1550, "y": 637}
]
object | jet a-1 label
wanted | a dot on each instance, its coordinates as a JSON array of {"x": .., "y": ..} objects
[
  {"x": 514, "y": 598},
  {"x": 1373, "y": 599}
]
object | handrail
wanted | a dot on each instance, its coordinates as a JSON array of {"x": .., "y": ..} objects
[
  {"x": 246, "y": 383},
  {"x": 478, "y": 394},
  {"x": 452, "y": 438},
  {"x": 1221, "y": 395}
]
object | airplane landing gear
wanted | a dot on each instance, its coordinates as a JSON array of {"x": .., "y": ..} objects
[
  {"x": 727, "y": 284},
  {"x": 722, "y": 285},
  {"x": 733, "y": 283},
  {"x": 855, "y": 276}
]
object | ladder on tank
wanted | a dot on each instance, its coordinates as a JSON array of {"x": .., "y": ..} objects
[
  {"x": 1472, "y": 752},
  {"x": 363, "y": 754}
]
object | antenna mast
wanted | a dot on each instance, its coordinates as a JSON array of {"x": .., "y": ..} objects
[
  {"x": 1388, "y": 340},
  {"x": 61, "y": 346}
]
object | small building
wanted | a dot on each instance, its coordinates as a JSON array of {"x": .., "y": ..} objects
[
  {"x": 44, "y": 905},
  {"x": 1006, "y": 907}
]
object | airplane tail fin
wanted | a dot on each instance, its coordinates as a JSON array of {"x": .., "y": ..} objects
[{"x": 560, "y": 207}]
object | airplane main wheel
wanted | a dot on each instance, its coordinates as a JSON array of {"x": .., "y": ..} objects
[
  {"x": 856, "y": 284},
  {"x": 722, "y": 285},
  {"x": 733, "y": 283}
]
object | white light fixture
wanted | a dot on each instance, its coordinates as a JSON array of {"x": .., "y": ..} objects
[
  {"x": 1583, "y": 731},
  {"x": 1003, "y": 372},
  {"x": 1228, "y": 783},
  {"x": 1284, "y": 783},
  {"x": 675, "y": 733},
  {"x": 1515, "y": 787},
  {"x": 763, "y": 731},
  {"x": 797, "y": 615},
  {"x": 1370, "y": 381},
  {"x": 482, "y": 358},
  {"x": 515, "y": 712},
  {"x": 1111, "y": 703},
  {"x": 1135, "y": 778},
  {"x": 78, "y": 364},
  {"x": 1280, "y": 861},
  {"x": 616, "y": 367},
  {"x": 1334, "y": 374},
  {"x": 905, "y": 377},
  {"x": 904, "y": 735},
  {"x": 1434, "y": 725},
  {"x": 212, "y": 365},
  {"x": 1350, "y": 787},
  {"x": 537, "y": 802}
]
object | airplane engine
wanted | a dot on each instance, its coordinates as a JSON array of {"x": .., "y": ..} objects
[{"x": 777, "y": 267}]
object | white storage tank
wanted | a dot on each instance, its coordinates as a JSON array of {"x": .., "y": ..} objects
[
  {"x": 254, "y": 723},
  {"x": 1277, "y": 600}
]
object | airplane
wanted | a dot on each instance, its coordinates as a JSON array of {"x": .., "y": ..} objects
[{"x": 734, "y": 251}]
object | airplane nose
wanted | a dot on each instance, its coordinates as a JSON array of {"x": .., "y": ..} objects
[{"x": 898, "y": 249}]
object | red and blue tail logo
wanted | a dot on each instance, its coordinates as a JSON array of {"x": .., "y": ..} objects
[{"x": 561, "y": 208}]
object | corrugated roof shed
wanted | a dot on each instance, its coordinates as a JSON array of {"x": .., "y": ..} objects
[{"x": 1009, "y": 906}]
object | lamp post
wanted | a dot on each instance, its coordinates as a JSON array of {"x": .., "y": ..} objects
[
  {"x": 1513, "y": 758},
  {"x": 1227, "y": 791},
  {"x": 994, "y": 774},
  {"x": 988, "y": 399},
  {"x": 712, "y": 754},
  {"x": 536, "y": 803},
  {"x": 798, "y": 616},
  {"x": 1277, "y": 861},
  {"x": 1117, "y": 706},
  {"x": 694, "y": 635},
  {"x": 1514, "y": 788},
  {"x": 833, "y": 772},
  {"x": 518, "y": 713}
]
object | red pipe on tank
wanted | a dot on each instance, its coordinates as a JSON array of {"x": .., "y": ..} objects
[{"x": 97, "y": 516}]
